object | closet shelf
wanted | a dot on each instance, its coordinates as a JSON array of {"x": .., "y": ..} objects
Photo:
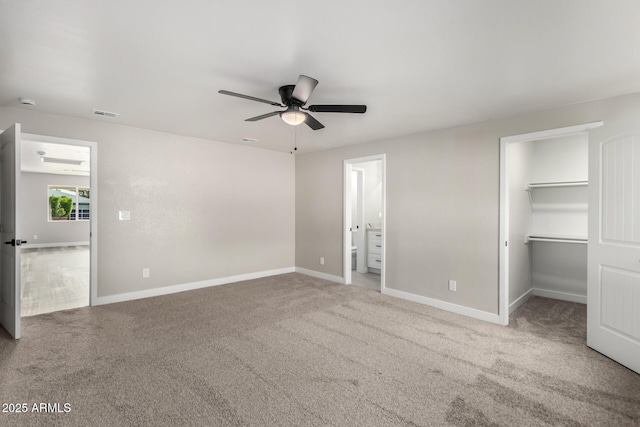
[
  {"x": 556, "y": 239},
  {"x": 534, "y": 185}
]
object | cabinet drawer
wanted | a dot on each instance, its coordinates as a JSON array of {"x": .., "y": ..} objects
[
  {"x": 374, "y": 261},
  {"x": 375, "y": 235},
  {"x": 375, "y": 246}
]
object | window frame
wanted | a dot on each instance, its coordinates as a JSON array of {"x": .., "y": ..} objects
[{"x": 76, "y": 214}]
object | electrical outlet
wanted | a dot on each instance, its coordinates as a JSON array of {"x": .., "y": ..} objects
[
  {"x": 145, "y": 273},
  {"x": 124, "y": 215},
  {"x": 35, "y": 237},
  {"x": 452, "y": 285},
  {"x": 321, "y": 260}
]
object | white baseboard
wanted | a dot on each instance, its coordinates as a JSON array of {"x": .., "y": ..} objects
[
  {"x": 166, "y": 290},
  {"x": 564, "y": 296},
  {"x": 443, "y": 305},
  {"x": 454, "y": 308},
  {"x": 54, "y": 245},
  {"x": 517, "y": 303},
  {"x": 320, "y": 275}
]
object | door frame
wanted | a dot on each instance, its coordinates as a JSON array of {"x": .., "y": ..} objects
[
  {"x": 93, "y": 207},
  {"x": 360, "y": 264},
  {"x": 346, "y": 219},
  {"x": 503, "y": 242}
]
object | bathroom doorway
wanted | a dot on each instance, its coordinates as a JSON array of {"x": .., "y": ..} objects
[{"x": 364, "y": 214}]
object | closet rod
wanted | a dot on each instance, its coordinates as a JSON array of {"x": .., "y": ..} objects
[
  {"x": 557, "y": 184},
  {"x": 556, "y": 239}
]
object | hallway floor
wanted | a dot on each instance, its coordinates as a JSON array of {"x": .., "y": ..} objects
[
  {"x": 365, "y": 280},
  {"x": 54, "y": 279}
]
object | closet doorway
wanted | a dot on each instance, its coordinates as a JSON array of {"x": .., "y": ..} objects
[
  {"x": 364, "y": 213},
  {"x": 544, "y": 216}
]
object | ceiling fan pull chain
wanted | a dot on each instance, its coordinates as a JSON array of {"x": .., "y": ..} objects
[{"x": 295, "y": 140}]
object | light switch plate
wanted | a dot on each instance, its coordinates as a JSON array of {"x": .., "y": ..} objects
[{"x": 124, "y": 215}]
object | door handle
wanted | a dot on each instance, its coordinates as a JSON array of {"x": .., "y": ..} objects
[{"x": 15, "y": 242}]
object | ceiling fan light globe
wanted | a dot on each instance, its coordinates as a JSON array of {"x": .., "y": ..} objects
[{"x": 293, "y": 118}]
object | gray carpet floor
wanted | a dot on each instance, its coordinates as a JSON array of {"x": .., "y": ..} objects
[{"x": 295, "y": 350}]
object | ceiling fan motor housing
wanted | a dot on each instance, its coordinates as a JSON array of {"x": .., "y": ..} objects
[{"x": 286, "y": 93}]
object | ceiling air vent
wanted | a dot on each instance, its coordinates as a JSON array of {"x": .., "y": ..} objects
[{"x": 105, "y": 113}]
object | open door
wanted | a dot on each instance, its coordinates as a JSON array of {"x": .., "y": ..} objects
[
  {"x": 613, "y": 307},
  {"x": 9, "y": 228}
]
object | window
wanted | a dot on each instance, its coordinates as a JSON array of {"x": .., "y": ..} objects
[{"x": 68, "y": 203}]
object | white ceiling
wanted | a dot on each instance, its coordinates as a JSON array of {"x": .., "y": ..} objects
[
  {"x": 30, "y": 158},
  {"x": 417, "y": 65}
]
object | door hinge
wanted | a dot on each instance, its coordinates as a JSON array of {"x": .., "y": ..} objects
[{"x": 505, "y": 243}]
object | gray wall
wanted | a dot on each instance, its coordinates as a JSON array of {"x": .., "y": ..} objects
[
  {"x": 442, "y": 202},
  {"x": 35, "y": 206},
  {"x": 199, "y": 209},
  {"x": 202, "y": 209}
]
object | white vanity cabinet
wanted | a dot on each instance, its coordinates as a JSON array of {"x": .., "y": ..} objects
[{"x": 374, "y": 252}]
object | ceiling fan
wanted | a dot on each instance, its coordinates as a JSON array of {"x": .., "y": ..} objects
[{"x": 294, "y": 98}]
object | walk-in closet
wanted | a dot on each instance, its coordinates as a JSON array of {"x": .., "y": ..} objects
[{"x": 547, "y": 185}]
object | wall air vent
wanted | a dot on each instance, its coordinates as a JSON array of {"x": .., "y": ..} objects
[{"x": 105, "y": 113}]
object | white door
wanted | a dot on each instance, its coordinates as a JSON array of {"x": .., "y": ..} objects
[
  {"x": 9, "y": 227},
  {"x": 613, "y": 305}
]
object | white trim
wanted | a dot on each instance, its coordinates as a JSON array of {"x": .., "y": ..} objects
[
  {"x": 443, "y": 305},
  {"x": 361, "y": 261},
  {"x": 564, "y": 296},
  {"x": 166, "y": 290},
  {"x": 346, "y": 220},
  {"x": 383, "y": 267},
  {"x": 320, "y": 275},
  {"x": 54, "y": 245},
  {"x": 523, "y": 298},
  {"x": 503, "y": 281},
  {"x": 503, "y": 262},
  {"x": 551, "y": 133}
]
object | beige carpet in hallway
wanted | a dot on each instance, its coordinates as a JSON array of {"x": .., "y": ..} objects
[{"x": 294, "y": 350}]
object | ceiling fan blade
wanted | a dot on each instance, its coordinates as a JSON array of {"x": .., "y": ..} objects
[
  {"x": 313, "y": 123},
  {"x": 250, "y": 98},
  {"x": 304, "y": 86},
  {"x": 264, "y": 116},
  {"x": 338, "y": 108}
]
